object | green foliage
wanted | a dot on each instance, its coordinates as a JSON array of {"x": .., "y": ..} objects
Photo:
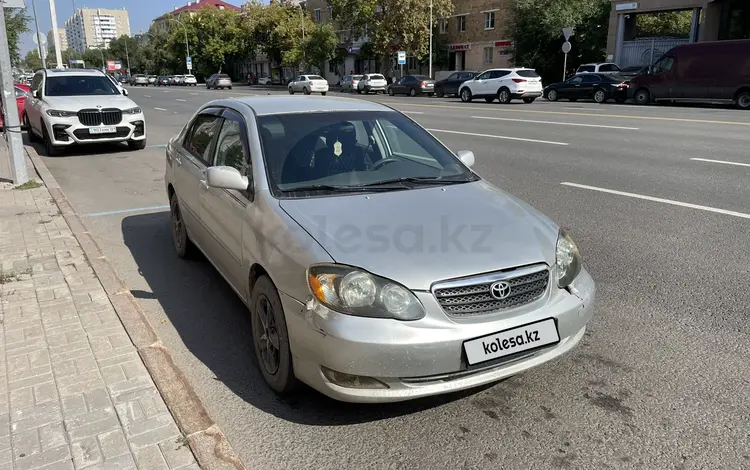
[
  {"x": 536, "y": 27},
  {"x": 391, "y": 24},
  {"x": 124, "y": 48},
  {"x": 439, "y": 52},
  {"x": 16, "y": 23},
  {"x": 668, "y": 23},
  {"x": 320, "y": 46},
  {"x": 32, "y": 61},
  {"x": 277, "y": 30}
]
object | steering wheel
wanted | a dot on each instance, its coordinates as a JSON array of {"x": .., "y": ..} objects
[{"x": 384, "y": 162}]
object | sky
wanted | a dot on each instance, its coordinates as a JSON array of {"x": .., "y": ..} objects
[{"x": 140, "y": 15}]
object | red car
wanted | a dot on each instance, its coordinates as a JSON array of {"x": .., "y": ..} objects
[{"x": 21, "y": 90}]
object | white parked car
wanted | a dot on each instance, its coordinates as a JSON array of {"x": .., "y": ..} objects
[
  {"x": 604, "y": 67},
  {"x": 373, "y": 82},
  {"x": 79, "y": 106},
  {"x": 503, "y": 85},
  {"x": 190, "y": 80},
  {"x": 308, "y": 84},
  {"x": 264, "y": 81},
  {"x": 179, "y": 79}
]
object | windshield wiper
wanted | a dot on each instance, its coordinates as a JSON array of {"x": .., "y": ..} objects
[
  {"x": 328, "y": 187},
  {"x": 426, "y": 180}
]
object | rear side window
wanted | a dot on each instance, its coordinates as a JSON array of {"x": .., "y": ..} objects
[
  {"x": 316, "y": 77},
  {"x": 609, "y": 68},
  {"x": 220, "y": 76},
  {"x": 499, "y": 73},
  {"x": 586, "y": 68},
  {"x": 199, "y": 138},
  {"x": 527, "y": 73},
  {"x": 591, "y": 79}
]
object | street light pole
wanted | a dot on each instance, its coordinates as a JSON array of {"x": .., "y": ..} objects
[
  {"x": 430, "y": 38},
  {"x": 53, "y": 16},
  {"x": 8, "y": 99},
  {"x": 38, "y": 39},
  {"x": 127, "y": 54}
]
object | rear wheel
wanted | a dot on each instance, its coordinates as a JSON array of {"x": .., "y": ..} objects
[
  {"x": 390, "y": 92},
  {"x": 270, "y": 337},
  {"x": 307, "y": 91},
  {"x": 323, "y": 93},
  {"x": 413, "y": 92},
  {"x": 291, "y": 92},
  {"x": 182, "y": 244},
  {"x": 642, "y": 96},
  {"x": 466, "y": 95},
  {"x": 503, "y": 96},
  {"x": 743, "y": 100},
  {"x": 137, "y": 144},
  {"x": 439, "y": 92},
  {"x": 600, "y": 96},
  {"x": 552, "y": 95},
  {"x": 528, "y": 100}
]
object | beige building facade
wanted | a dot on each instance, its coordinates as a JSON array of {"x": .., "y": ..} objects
[
  {"x": 51, "y": 39},
  {"x": 93, "y": 28}
]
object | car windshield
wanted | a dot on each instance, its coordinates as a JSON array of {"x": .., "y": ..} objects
[
  {"x": 189, "y": 76},
  {"x": 346, "y": 151},
  {"x": 376, "y": 76},
  {"x": 79, "y": 85},
  {"x": 357, "y": 77},
  {"x": 421, "y": 78},
  {"x": 315, "y": 77},
  {"x": 220, "y": 76},
  {"x": 586, "y": 68},
  {"x": 527, "y": 73}
]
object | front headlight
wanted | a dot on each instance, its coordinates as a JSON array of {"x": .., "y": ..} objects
[
  {"x": 353, "y": 291},
  {"x": 58, "y": 113},
  {"x": 567, "y": 259},
  {"x": 135, "y": 110}
]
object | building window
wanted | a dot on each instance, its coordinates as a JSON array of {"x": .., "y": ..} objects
[
  {"x": 461, "y": 23},
  {"x": 317, "y": 15},
  {"x": 330, "y": 13},
  {"x": 489, "y": 20},
  {"x": 443, "y": 25},
  {"x": 488, "y": 53},
  {"x": 331, "y": 67}
]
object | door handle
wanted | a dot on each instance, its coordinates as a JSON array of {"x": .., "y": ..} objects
[
  {"x": 204, "y": 184},
  {"x": 178, "y": 160}
]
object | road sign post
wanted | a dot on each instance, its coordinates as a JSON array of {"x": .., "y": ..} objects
[
  {"x": 566, "y": 47},
  {"x": 402, "y": 61},
  {"x": 11, "y": 119},
  {"x": 189, "y": 63}
]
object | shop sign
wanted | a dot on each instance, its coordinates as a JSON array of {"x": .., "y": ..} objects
[{"x": 459, "y": 47}]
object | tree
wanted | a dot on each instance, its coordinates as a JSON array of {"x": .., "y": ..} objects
[
  {"x": 536, "y": 28},
  {"x": 32, "y": 61},
  {"x": 16, "y": 23},
  {"x": 391, "y": 24},
  {"x": 318, "y": 47},
  {"x": 277, "y": 30},
  {"x": 66, "y": 55},
  {"x": 124, "y": 48},
  {"x": 668, "y": 23}
]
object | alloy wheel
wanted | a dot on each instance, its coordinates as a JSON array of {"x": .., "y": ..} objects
[
  {"x": 177, "y": 231},
  {"x": 744, "y": 101},
  {"x": 267, "y": 335},
  {"x": 552, "y": 95},
  {"x": 600, "y": 96}
]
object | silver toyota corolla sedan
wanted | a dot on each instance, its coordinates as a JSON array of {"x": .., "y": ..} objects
[{"x": 376, "y": 265}]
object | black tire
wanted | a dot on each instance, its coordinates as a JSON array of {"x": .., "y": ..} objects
[
  {"x": 529, "y": 100},
  {"x": 137, "y": 144},
  {"x": 323, "y": 93},
  {"x": 29, "y": 130},
  {"x": 229, "y": 87},
  {"x": 267, "y": 320},
  {"x": 600, "y": 96},
  {"x": 182, "y": 244},
  {"x": 291, "y": 92},
  {"x": 306, "y": 90},
  {"x": 503, "y": 96},
  {"x": 390, "y": 92},
  {"x": 49, "y": 147},
  {"x": 743, "y": 100},
  {"x": 489, "y": 99},
  {"x": 552, "y": 95},
  {"x": 359, "y": 91},
  {"x": 642, "y": 96},
  {"x": 439, "y": 92},
  {"x": 413, "y": 92},
  {"x": 465, "y": 95}
]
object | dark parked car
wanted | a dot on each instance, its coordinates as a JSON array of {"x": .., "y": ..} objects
[
  {"x": 699, "y": 72},
  {"x": 412, "y": 85},
  {"x": 449, "y": 86},
  {"x": 163, "y": 81},
  {"x": 591, "y": 86}
]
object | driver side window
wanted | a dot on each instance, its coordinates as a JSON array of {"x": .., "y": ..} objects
[
  {"x": 484, "y": 76},
  {"x": 664, "y": 65},
  {"x": 575, "y": 81}
]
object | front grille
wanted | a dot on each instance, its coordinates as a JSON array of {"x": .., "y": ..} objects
[
  {"x": 94, "y": 117},
  {"x": 473, "y": 296},
  {"x": 83, "y": 134}
]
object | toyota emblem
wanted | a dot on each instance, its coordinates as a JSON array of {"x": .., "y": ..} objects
[{"x": 500, "y": 290}]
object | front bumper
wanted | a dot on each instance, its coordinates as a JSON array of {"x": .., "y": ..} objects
[
  {"x": 424, "y": 357},
  {"x": 69, "y": 130}
]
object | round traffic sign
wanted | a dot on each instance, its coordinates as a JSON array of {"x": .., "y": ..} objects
[{"x": 566, "y": 47}]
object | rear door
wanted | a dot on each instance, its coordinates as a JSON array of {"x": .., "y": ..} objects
[
  {"x": 192, "y": 158},
  {"x": 224, "y": 211}
]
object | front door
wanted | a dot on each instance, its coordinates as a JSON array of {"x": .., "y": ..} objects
[
  {"x": 586, "y": 90},
  {"x": 662, "y": 84},
  {"x": 570, "y": 87},
  {"x": 224, "y": 211},
  {"x": 191, "y": 159}
]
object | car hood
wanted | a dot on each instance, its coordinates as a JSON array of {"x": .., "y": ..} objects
[
  {"x": 417, "y": 237},
  {"x": 74, "y": 103}
]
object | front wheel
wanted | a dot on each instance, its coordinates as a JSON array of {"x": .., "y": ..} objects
[
  {"x": 642, "y": 96},
  {"x": 413, "y": 92},
  {"x": 323, "y": 93},
  {"x": 51, "y": 149},
  {"x": 552, "y": 95},
  {"x": 270, "y": 337},
  {"x": 291, "y": 92},
  {"x": 466, "y": 95},
  {"x": 307, "y": 91},
  {"x": 743, "y": 100},
  {"x": 229, "y": 87},
  {"x": 600, "y": 96},
  {"x": 137, "y": 144},
  {"x": 390, "y": 92},
  {"x": 439, "y": 93},
  {"x": 528, "y": 100}
]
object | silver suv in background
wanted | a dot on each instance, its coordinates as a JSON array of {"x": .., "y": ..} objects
[
  {"x": 219, "y": 80},
  {"x": 372, "y": 82},
  {"x": 604, "y": 67}
]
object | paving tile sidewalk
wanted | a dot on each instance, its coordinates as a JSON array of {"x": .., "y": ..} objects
[{"x": 74, "y": 393}]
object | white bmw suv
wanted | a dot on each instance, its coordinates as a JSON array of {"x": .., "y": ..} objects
[
  {"x": 503, "y": 85},
  {"x": 81, "y": 106}
]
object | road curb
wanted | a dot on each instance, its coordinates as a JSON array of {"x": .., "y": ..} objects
[{"x": 210, "y": 446}]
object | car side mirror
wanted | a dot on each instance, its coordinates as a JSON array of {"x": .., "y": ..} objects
[
  {"x": 226, "y": 177},
  {"x": 36, "y": 94},
  {"x": 124, "y": 92},
  {"x": 466, "y": 157}
]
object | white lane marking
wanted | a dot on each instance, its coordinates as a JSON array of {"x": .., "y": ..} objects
[
  {"x": 194, "y": 94},
  {"x": 556, "y": 123},
  {"x": 147, "y": 96},
  {"x": 658, "y": 199},
  {"x": 178, "y": 99},
  {"x": 160, "y": 109},
  {"x": 584, "y": 109},
  {"x": 720, "y": 161},
  {"x": 499, "y": 137}
]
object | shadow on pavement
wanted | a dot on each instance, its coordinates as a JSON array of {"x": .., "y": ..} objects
[{"x": 214, "y": 325}]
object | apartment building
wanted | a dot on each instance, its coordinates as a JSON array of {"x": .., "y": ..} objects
[
  {"x": 93, "y": 28},
  {"x": 163, "y": 23},
  {"x": 51, "y": 39}
]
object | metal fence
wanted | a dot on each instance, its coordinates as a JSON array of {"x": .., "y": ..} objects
[{"x": 646, "y": 51}]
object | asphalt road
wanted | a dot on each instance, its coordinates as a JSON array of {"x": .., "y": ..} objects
[{"x": 662, "y": 378}]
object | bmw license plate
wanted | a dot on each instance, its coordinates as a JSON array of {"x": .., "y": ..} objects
[
  {"x": 515, "y": 340},
  {"x": 102, "y": 130}
]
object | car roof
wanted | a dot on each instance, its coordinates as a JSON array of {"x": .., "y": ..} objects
[
  {"x": 71, "y": 72},
  {"x": 510, "y": 69},
  {"x": 280, "y": 104}
]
